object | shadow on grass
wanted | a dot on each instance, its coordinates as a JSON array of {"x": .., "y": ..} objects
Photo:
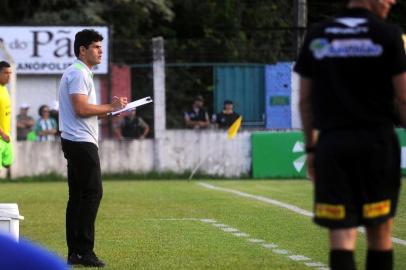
[{"x": 125, "y": 177}]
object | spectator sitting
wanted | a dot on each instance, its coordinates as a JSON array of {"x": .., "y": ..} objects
[
  {"x": 46, "y": 127},
  {"x": 132, "y": 127},
  {"x": 197, "y": 117},
  {"x": 227, "y": 117},
  {"x": 24, "y": 122},
  {"x": 54, "y": 114}
]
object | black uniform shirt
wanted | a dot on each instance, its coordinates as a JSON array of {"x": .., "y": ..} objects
[
  {"x": 200, "y": 115},
  {"x": 351, "y": 60},
  {"x": 225, "y": 120},
  {"x": 133, "y": 127}
]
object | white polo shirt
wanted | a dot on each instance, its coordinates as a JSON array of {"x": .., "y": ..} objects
[{"x": 77, "y": 79}]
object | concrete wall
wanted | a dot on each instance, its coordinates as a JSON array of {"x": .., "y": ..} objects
[
  {"x": 176, "y": 151},
  {"x": 126, "y": 156},
  {"x": 183, "y": 150},
  {"x": 37, "y": 90}
]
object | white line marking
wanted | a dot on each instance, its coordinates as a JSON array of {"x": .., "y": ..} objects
[
  {"x": 180, "y": 219},
  {"x": 272, "y": 245},
  {"x": 394, "y": 239},
  {"x": 205, "y": 220},
  {"x": 253, "y": 240},
  {"x": 290, "y": 207},
  {"x": 399, "y": 241},
  {"x": 314, "y": 264},
  {"x": 298, "y": 258},
  {"x": 230, "y": 229},
  {"x": 241, "y": 234},
  {"x": 280, "y": 251},
  {"x": 219, "y": 225},
  {"x": 237, "y": 233}
]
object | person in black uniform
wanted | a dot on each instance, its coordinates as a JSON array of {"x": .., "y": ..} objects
[
  {"x": 227, "y": 116},
  {"x": 132, "y": 127},
  {"x": 352, "y": 77},
  {"x": 196, "y": 117}
]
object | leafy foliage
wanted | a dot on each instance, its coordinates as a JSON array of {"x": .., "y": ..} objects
[
  {"x": 319, "y": 10},
  {"x": 196, "y": 31}
]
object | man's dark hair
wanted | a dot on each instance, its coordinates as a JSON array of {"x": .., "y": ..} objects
[
  {"x": 198, "y": 98},
  {"x": 4, "y": 64},
  {"x": 228, "y": 102},
  {"x": 85, "y": 38},
  {"x": 41, "y": 110}
]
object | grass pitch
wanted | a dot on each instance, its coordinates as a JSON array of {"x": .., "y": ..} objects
[{"x": 181, "y": 225}]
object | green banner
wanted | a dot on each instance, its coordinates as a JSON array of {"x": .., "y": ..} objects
[
  {"x": 279, "y": 101},
  {"x": 281, "y": 154},
  {"x": 278, "y": 155},
  {"x": 402, "y": 141}
]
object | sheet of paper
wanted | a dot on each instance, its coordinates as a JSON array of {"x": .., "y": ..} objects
[{"x": 132, "y": 105}]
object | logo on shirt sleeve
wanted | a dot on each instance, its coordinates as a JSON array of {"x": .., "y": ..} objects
[{"x": 344, "y": 48}]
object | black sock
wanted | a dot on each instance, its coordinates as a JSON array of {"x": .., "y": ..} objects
[
  {"x": 342, "y": 259},
  {"x": 379, "y": 260}
]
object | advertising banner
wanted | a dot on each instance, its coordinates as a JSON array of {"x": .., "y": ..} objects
[
  {"x": 48, "y": 49},
  {"x": 278, "y": 155},
  {"x": 278, "y": 85},
  {"x": 402, "y": 141},
  {"x": 281, "y": 154}
]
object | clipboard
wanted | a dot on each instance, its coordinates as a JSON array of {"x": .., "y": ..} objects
[{"x": 132, "y": 105}]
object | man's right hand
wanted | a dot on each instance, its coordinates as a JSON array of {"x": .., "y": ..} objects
[
  {"x": 118, "y": 103},
  {"x": 310, "y": 167}
]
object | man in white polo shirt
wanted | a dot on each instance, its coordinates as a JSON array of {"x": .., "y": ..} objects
[{"x": 78, "y": 121}]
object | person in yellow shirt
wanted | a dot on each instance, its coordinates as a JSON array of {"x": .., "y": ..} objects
[{"x": 6, "y": 149}]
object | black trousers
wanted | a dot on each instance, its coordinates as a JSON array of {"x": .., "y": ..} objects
[{"x": 85, "y": 193}]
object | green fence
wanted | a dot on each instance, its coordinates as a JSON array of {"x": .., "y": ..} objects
[{"x": 281, "y": 154}]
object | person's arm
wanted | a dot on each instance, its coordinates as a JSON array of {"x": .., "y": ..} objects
[
  {"x": 4, "y": 136},
  {"x": 205, "y": 123},
  {"x": 47, "y": 132},
  {"x": 21, "y": 123},
  {"x": 117, "y": 130},
  {"x": 84, "y": 109},
  {"x": 38, "y": 129},
  {"x": 398, "y": 70},
  {"x": 215, "y": 120},
  {"x": 43, "y": 132},
  {"x": 310, "y": 134},
  {"x": 30, "y": 122},
  {"x": 54, "y": 128},
  {"x": 399, "y": 84},
  {"x": 145, "y": 126},
  {"x": 189, "y": 123}
]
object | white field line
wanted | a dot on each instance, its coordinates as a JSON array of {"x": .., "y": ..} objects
[
  {"x": 290, "y": 207},
  {"x": 272, "y": 246}
]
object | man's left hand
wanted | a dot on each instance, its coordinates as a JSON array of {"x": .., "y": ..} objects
[
  {"x": 5, "y": 137},
  {"x": 310, "y": 167}
]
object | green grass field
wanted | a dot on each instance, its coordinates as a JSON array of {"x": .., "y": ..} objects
[{"x": 158, "y": 224}]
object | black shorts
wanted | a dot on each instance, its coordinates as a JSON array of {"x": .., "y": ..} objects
[{"x": 357, "y": 177}]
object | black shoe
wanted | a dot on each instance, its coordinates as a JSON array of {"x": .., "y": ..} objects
[
  {"x": 87, "y": 260},
  {"x": 73, "y": 259}
]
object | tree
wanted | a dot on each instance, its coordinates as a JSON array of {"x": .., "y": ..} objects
[
  {"x": 320, "y": 10},
  {"x": 196, "y": 31}
]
